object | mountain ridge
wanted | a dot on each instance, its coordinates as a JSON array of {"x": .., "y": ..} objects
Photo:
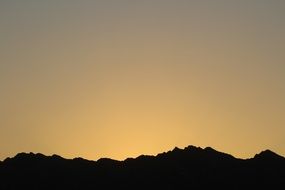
[
  {"x": 265, "y": 152},
  {"x": 191, "y": 167}
]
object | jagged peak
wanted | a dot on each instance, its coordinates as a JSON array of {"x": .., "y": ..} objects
[
  {"x": 106, "y": 161},
  {"x": 176, "y": 149},
  {"x": 268, "y": 154},
  {"x": 191, "y": 147},
  {"x": 29, "y": 155},
  {"x": 33, "y": 156}
]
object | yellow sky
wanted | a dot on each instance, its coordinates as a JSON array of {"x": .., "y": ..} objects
[{"x": 123, "y": 78}]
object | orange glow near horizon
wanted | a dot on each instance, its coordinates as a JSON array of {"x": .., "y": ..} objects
[{"x": 122, "y": 78}]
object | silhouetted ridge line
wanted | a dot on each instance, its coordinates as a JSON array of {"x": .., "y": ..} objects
[
  {"x": 268, "y": 154},
  {"x": 191, "y": 167}
]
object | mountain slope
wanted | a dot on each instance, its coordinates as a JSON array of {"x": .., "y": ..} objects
[{"x": 191, "y": 167}]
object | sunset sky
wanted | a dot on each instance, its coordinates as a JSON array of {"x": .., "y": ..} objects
[{"x": 120, "y": 78}]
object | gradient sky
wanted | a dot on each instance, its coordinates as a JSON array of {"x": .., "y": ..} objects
[{"x": 120, "y": 78}]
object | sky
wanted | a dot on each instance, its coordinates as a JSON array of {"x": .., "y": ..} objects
[{"x": 121, "y": 78}]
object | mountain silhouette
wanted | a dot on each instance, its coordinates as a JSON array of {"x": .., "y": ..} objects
[{"x": 188, "y": 168}]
